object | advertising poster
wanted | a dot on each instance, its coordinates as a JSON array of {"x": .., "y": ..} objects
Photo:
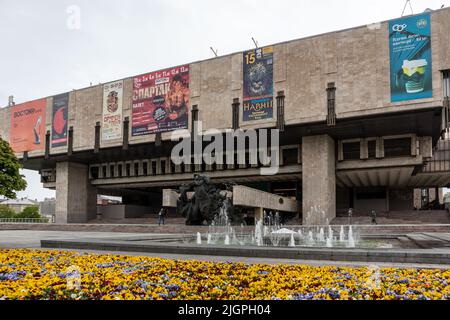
[
  {"x": 60, "y": 111},
  {"x": 27, "y": 132},
  {"x": 112, "y": 110},
  {"x": 161, "y": 101},
  {"x": 410, "y": 58},
  {"x": 258, "y": 84}
]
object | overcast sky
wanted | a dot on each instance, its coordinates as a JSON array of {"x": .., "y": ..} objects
[{"x": 50, "y": 47}]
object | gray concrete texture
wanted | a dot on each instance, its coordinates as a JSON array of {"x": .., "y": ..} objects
[{"x": 319, "y": 180}]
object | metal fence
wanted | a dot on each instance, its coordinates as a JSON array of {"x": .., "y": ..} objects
[{"x": 25, "y": 220}]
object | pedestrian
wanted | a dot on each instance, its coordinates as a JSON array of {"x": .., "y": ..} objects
[
  {"x": 161, "y": 215},
  {"x": 374, "y": 217}
]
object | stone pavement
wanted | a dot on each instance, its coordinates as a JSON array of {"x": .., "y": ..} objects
[{"x": 32, "y": 238}]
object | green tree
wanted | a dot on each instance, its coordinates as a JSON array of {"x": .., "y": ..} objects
[
  {"x": 10, "y": 178},
  {"x": 29, "y": 212},
  {"x": 6, "y": 212}
]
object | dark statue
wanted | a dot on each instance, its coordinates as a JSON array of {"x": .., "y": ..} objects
[{"x": 205, "y": 202}]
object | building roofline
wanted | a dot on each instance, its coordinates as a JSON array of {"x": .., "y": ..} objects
[{"x": 238, "y": 52}]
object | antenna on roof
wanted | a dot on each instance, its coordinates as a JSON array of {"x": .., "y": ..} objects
[
  {"x": 11, "y": 101},
  {"x": 410, "y": 6},
  {"x": 255, "y": 42},
  {"x": 214, "y": 51}
]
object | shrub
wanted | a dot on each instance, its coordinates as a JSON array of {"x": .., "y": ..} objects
[
  {"x": 29, "y": 212},
  {"x": 6, "y": 212}
]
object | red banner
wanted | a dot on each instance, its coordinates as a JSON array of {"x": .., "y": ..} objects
[{"x": 161, "y": 101}]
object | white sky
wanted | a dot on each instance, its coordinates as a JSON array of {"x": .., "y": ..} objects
[{"x": 44, "y": 52}]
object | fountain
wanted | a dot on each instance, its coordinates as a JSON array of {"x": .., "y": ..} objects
[
  {"x": 292, "y": 241},
  {"x": 268, "y": 231},
  {"x": 321, "y": 236},
  {"x": 351, "y": 240},
  {"x": 227, "y": 240}
]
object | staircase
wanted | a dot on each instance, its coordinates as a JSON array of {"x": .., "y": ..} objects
[{"x": 400, "y": 217}]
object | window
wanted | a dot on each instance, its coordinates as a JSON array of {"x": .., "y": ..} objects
[
  {"x": 126, "y": 127},
  {"x": 331, "y": 104},
  {"x": 235, "y": 120},
  {"x": 154, "y": 165},
  {"x": 136, "y": 169},
  {"x": 290, "y": 156},
  {"x": 397, "y": 147},
  {"x": 447, "y": 83},
  {"x": 280, "y": 110},
  {"x": 194, "y": 119},
  {"x": 371, "y": 149},
  {"x": 163, "y": 166},
  {"x": 111, "y": 171},
  {"x": 351, "y": 150},
  {"x": 97, "y": 137},
  {"x": 144, "y": 168},
  {"x": 94, "y": 172}
]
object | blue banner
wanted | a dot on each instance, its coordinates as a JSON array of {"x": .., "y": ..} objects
[
  {"x": 258, "y": 84},
  {"x": 410, "y": 58}
]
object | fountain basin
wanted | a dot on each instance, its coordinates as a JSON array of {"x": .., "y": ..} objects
[{"x": 175, "y": 245}]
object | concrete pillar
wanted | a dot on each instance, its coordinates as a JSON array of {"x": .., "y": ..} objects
[
  {"x": 259, "y": 214},
  {"x": 318, "y": 180},
  {"x": 76, "y": 198},
  {"x": 363, "y": 150}
]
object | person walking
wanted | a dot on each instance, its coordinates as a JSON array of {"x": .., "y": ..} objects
[
  {"x": 161, "y": 215},
  {"x": 374, "y": 217}
]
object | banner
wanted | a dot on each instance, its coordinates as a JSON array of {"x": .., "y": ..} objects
[
  {"x": 258, "y": 84},
  {"x": 161, "y": 101},
  {"x": 60, "y": 112},
  {"x": 112, "y": 110},
  {"x": 410, "y": 58},
  {"x": 27, "y": 132}
]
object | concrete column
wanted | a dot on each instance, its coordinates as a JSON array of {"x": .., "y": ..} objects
[
  {"x": 318, "y": 180},
  {"x": 363, "y": 149},
  {"x": 259, "y": 214},
  {"x": 76, "y": 198}
]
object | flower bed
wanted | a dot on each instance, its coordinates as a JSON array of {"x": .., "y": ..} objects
[{"x": 34, "y": 274}]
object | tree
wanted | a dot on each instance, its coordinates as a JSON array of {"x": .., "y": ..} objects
[
  {"x": 29, "y": 212},
  {"x": 10, "y": 178},
  {"x": 6, "y": 212}
]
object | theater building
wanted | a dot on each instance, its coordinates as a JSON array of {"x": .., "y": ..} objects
[{"x": 362, "y": 116}]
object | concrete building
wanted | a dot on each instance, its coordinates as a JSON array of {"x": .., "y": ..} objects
[
  {"x": 344, "y": 140},
  {"x": 47, "y": 208},
  {"x": 19, "y": 204}
]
